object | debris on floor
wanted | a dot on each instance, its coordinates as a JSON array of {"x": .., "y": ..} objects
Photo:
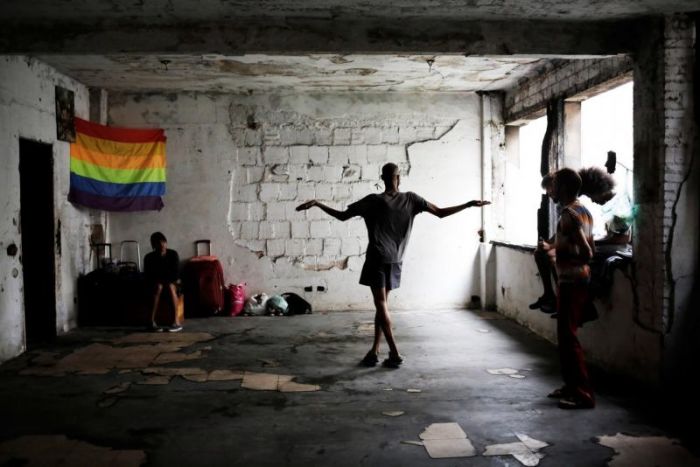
[
  {"x": 647, "y": 451},
  {"x": 413, "y": 390},
  {"x": 274, "y": 382},
  {"x": 134, "y": 351},
  {"x": 174, "y": 357},
  {"x": 525, "y": 450},
  {"x": 393, "y": 413},
  {"x": 55, "y": 450},
  {"x": 446, "y": 440},
  {"x": 510, "y": 372}
]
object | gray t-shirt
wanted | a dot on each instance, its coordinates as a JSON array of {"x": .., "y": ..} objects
[{"x": 389, "y": 219}]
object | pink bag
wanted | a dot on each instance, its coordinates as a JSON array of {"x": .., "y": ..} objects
[{"x": 237, "y": 294}]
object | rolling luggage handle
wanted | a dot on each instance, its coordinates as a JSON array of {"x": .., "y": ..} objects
[
  {"x": 123, "y": 264},
  {"x": 202, "y": 242},
  {"x": 102, "y": 260}
]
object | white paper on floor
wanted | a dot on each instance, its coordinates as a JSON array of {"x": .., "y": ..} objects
[
  {"x": 525, "y": 450},
  {"x": 647, "y": 451},
  {"x": 445, "y": 440},
  {"x": 393, "y": 413},
  {"x": 443, "y": 431},
  {"x": 416, "y": 391},
  {"x": 446, "y": 448}
]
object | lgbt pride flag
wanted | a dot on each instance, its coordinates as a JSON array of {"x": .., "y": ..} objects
[{"x": 117, "y": 169}]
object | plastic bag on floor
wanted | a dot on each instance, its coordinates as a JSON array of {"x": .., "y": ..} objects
[
  {"x": 276, "y": 306},
  {"x": 255, "y": 305}
]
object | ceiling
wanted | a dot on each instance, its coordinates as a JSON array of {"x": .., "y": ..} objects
[
  {"x": 179, "y": 11},
  {"x": 197, "y": 70},
  {"x": 256, "y": 73}
]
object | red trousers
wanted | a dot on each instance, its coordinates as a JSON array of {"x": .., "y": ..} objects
[{"x": 571, "y": 302}]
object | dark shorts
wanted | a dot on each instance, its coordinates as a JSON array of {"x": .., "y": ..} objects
[{"x": 378, "y": 275}]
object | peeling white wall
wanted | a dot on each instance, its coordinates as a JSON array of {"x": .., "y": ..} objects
[
  {"x": 614, "y": 341},
  {"x": 27, "y": 110},
  {"x": 238, "y": 165}
]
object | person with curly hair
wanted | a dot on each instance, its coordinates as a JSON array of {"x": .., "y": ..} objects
[{"x": 599, "y": 186}]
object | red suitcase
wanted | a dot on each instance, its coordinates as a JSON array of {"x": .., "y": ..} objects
[{"x": 203, "y": 282}]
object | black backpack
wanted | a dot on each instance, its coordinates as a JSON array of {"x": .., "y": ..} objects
[{"x": 296, "y": 304}]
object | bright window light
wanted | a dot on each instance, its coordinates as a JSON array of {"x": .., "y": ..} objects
[
  {"x": 606, "y": 125},
  {"x": 523, "y": 180}
]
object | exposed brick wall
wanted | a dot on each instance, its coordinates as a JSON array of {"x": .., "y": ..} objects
[
  {"x": 335, "y": 162},
  {"x": 563, "y": 79},
  {"x": 679, "y": 57}
]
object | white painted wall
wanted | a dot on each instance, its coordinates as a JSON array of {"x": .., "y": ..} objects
[
  {"x": 238, "y": 186},
  {"x": 615, "y": 341},
  {"x": 27, "y": 110}
]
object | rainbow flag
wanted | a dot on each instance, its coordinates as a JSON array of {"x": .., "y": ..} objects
[{"x": 117, "y": 169}]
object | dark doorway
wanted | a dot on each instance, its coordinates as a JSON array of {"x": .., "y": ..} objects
[{"x": 37, "y": 224}]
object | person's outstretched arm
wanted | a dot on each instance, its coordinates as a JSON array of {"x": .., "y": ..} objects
[
  {"x": 340, "y": 215},
  {"x": 444, "y": 212}
]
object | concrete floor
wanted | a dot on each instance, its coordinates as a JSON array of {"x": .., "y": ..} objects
[{"x": 187, "y": 422}]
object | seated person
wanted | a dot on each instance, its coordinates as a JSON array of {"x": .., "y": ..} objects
[
  {"x": 618, "y": 227},
  {"x": 599, "y": 186},
  {"x": 161, "y": 270}
]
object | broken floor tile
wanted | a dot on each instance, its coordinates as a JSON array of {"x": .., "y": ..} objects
[
  {"x": 532, "y": 443},
  {"x": 172, "y": 371},
  {"x": 446, "y": 448},
  {"x": 48, "y": 450},
  {"x": 647, "y": 451},
  {"x": 443, "y": 431},
  {"x": 196, "y": 377},
  {"x": 173, "y": 357},
  {"x": 524, "y": 450},
  {"x": 291, "y": 386},
  {"x": 225, "y": 375},
  {"x": 260, "y": 381},
  {"x": 393, "y": 413}
]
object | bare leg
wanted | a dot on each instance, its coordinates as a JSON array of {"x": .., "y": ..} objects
[
  {"x": 156, "y": 301},
  {"x": 173, "y": 298},
  {"x": 382, "y": 321},
  {"x": 544, "y": 267}
]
